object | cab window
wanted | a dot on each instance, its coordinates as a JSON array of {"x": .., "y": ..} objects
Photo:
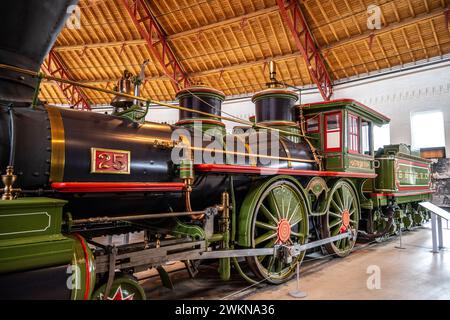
[
  {"x": 333, "y": 132},
  {"x": 353, "y": 134},
  {"x": 312, "y": 124},
  {"x": 366, "y": 129}
]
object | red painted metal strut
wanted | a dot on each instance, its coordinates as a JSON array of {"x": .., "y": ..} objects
[
  {"x": 155, "y": 37},
  {"x": 293, "y": 17},
  {"x": 54, "y": 66}
]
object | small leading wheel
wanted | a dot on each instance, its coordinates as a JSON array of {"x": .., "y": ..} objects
[
  {"x": 279, "y": 217},
  {"x": 343, "y": 214},
  {"x": 124, "y": 287}
]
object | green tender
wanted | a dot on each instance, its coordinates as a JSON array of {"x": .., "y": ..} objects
[{"x": 30, "y": 234}]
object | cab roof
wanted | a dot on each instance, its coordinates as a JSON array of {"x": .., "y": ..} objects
[{"x": 349, "y": 104}]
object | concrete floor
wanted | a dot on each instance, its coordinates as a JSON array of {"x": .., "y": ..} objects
[{"x": 410, "y": 273}]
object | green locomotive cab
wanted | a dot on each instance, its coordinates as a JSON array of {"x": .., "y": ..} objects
[{"x": 343, "y": 131}]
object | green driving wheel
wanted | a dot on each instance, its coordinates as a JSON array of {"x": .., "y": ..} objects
[
  {"x": 343, "y": 214},
  {"x": 279, "y": 216}
]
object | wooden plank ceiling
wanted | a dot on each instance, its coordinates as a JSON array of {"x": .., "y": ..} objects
[{"x": 226, "y": 44}]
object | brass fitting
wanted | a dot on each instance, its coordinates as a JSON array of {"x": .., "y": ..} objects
[
  {"x": 225, "y": 208},
  {"x": 164, "y": 144},
  {"x": 9, "y": 193},
  {"x": 224, "y": 220},
  {"x": 187, "y": 199}
]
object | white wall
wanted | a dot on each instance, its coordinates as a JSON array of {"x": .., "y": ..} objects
[{"x": 399, "y": 95}]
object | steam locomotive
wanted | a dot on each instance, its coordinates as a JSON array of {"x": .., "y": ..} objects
[{"x": 300, "y": 177}]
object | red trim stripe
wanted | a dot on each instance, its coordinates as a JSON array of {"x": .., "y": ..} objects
[
  {"x": 400, "y": 194},
  {"x": 406, "y": 188},
  {"x": 413, "y": 163},
  {"x": 92, "y": 187},
  {"x": 225, "y": 168},
  {"x": 88, "y": 269}
]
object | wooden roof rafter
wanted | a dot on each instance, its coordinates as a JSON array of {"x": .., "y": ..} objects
[
  {"x": 403, "y": 23},
  {"x": 217, "y": 40}
]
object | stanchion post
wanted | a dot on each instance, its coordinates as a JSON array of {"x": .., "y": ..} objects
[
  {"x": 298, "y": 293},
  {"x": 440, "y": 231},
  {"x": 400, "y": 236},
  {"x": 434, "y": 232}
]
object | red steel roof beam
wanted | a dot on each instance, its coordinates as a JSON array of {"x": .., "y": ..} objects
[
  {"x": 54, "y": 66},
  {"x": 156, "y": 39},
  {"x": 293, "y": 17}
]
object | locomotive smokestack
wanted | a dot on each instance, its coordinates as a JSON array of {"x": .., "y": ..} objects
[
  {"x": 200, "y": 98},
  {"x": 28, "y": 31}
]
